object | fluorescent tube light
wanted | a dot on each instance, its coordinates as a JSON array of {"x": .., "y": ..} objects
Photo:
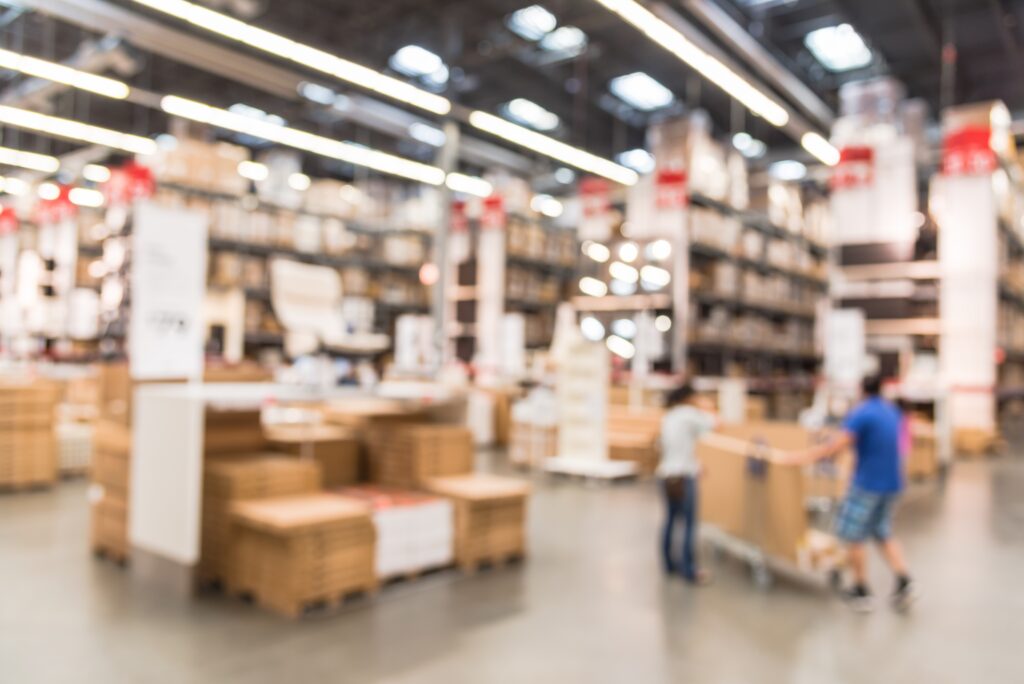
[
  {"x": 596, "y": 251},
  {"x": 620, "y": 347},
  {"x": 787, "y": 170},
  {"x": 428, "y": 134},
  {"x": 86, "y": 197},
  {"x": 820, "y": 148},
  {"x": 48, "y": 191},
  {"x": 299, "y": 182},
  {"x": 567, "y": 39},
  {"x": 13, "y": 186},
  {"x": 96, "y": 173},
  {"x": 715, "y": 71},
  {"x": 304, "y": 55},
  {"x": 623, "y": 272},
  {"x": 29, "y": 160},
  {"x": 302, "y": 140},
  {"x": 471, "y": 185},
  {"x": 593, "y": 287},
  {"x": 58, "y": 73},
  {"x": 592, "y": 329},
  {"x": 419, "y": 62},
  {"x": 638, "y": 159},
  {"x": 552, "y": 148},
  {"x": 547, "y": 205},
  {"x": 75, "y": 130},
  {"x": 254, "y": 171}
]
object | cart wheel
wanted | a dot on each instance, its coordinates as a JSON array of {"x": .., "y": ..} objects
[{"x": 762, "y": 576}]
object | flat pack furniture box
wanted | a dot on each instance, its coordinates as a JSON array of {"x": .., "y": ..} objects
[
  {"x": 300, "y": 551},
  {"x": 110, "y": 476},
  {"x": 923, "y": 460},
  {"x": 227, "y": 482},
  {"x": 335, "y": 448},
  {"x": 490, "y": 517},
  {"x": 28, "y": 444},
  {"x": 415, "y": 531},
  {"x": 408, "y": 455},
  {"x": 230, "y": 432},
  {"x": 750, "y": 494},
  {"x": 633, "y": 436}
]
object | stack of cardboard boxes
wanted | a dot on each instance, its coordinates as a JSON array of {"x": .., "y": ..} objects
[
  {"x": 408, "y": 455},
  {"x": 111, "y": 466},
  {"x": 296, "y": 552},
  {"x": 490, "y": 516},
  {"x": 28, "y": 448},
  {"x": 633, "y": 436},
  {"x": 335, "y": 449},
  {"x": 230, "y": 481}
]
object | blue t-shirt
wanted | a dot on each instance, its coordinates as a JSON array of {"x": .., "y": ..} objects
[{"x": 876, "y": 425}]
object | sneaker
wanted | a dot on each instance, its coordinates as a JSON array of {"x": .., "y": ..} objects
[
  {"x": 859, "y": 599},
  {"x": 905, "y": 594}
]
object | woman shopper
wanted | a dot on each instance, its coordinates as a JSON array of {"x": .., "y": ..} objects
[{"x": 684, "y": 423}]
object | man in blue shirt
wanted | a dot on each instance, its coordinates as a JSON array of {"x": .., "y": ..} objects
[{"x": 873, "y": 429}]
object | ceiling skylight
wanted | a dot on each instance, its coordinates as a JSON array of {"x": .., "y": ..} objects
[
  {"x": 838, "y": 48},
  {"x": 640, "y": 91},
  {"x": 531, "y": 23}
]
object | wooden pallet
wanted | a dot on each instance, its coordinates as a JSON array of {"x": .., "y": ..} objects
[
  {"x": 475, "y": 565},
  {"x": 414, "y": 575},
  {"x": 115, "y": 556},
  {"x": 299, "y": 608},
  {"x": 18, "y": 487}
]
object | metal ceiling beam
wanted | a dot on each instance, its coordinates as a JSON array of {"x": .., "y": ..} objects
[
  {"x": 737, "y": 38},
  {"x": 178, "y": 46}
]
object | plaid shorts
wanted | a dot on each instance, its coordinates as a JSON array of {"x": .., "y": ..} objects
[{"x": 865, "y": 514}]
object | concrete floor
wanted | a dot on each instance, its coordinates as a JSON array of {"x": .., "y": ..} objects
[{"x": 590, "y": 606}]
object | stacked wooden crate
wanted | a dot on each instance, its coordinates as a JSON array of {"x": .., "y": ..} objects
[
  {"x": 227, "y": 482},
  {"x": 490, "y": 517},
  {"x": 407, "y": 455},
  {"x": 111, "y": 482},
  {"x": 28, "y": 448},
  {"x": 335, "y": 448},
  {"x": 298, "y": 552}
]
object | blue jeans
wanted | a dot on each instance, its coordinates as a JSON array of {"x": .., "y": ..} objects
[{"x": 684, "y": 509}]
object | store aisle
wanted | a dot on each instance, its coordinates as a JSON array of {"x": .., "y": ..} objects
[{"x": 590, "y": 605}]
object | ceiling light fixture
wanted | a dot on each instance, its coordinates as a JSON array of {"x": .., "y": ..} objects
[
  {"x": 715, "y": 71},
  {"x": 623, "y": 272},
  {"x": 299, "y": 182},
  {"x": 419, "y": 62},
  {"x": 838, "y": 48},
  {"x": 593, "y": 287},
  {"x": 13, "y": 186},
  {"x": 254, "y": 171},
  {"x": 816, "y": 144},
  {"x": 547, "y": 205},
  {"x": 787, "y": 170},
  {"x": 471, "y": 185},
  {"x": 302, "y": 140},
  {"x": 531, "y": 23},
  {"x": 428, "y": 134},
  {"x": 58, "y": 73},
  {"x": 592, "y": 329},
  {"x": 75, "y": 130},
  {"x": 304, "y": 55},
  {"x": 567, "y": 39},
  {"x": 638, "y": 159},
  {"x": 640, "y": 91},
  {"x": 596, "y": 251},
  {"x": 531, "y": 114},
  {"x": 96, "y": 173},
  {"x": 620, "y": 347},
  {"x": 48, "y": 191},
  {"x": 86, "y": 197},
  {"x": 552, "y": 148},
  {"x": 29, "y": 160}
]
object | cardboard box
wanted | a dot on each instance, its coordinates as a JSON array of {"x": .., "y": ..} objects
[
  {"x": 633, "y": 435},
  {"x": 922, "y": 461},
  {"x": 490, "y": 517},
  {"x": 229, "y": 432},
  {"x": 295, "y": 551},
  {"x": 408, "y": 455},
  {"x": 109, "y": 526},
  {"x": 28, "y": 445},
  {"x": 116, "y": 392},
  {"x": 974, "y": 442},
  {"x": 336, "y": 449}
]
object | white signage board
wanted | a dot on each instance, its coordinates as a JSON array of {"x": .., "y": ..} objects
[
  {"x": 168, "y": 286},
  {"x": 845, "y": 349}
]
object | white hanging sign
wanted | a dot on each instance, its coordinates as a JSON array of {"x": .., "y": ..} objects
[{"x": 168, "y": 284}]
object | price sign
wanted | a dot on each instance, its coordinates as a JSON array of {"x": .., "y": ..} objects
[
  {"x": 671, "y": 189},
  {"x": 855, "y": 168},
  {"x": 968, "y": 152},
  {"x": 493, "y": 216}
]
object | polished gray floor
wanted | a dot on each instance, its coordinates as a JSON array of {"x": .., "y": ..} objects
[{"x": 589, "y": 606}]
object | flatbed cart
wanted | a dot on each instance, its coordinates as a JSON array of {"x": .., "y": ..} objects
[{"x": 813, "y": 557}]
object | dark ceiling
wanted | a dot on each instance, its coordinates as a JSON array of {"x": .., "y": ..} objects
[{"x": 491, "y": 65}]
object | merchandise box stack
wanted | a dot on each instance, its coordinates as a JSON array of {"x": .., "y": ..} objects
[
  {"x": 109, "y": 493},
  {"x": 408, "y": 455},
  {"x": 415, "y": 531},
  {"x": 922, "y": 461},
  {"x": 297, "y": 552},
  {"x": 633, "y": 436},
  {"x": 232, "y": 433},
  {"x": 490, "y": 517},
  {"x": 227, "y": 482},
  {"x": 334, "y": 448},
  {"x": 115, "y": 392},
  {"x": 28, "y": 447}
]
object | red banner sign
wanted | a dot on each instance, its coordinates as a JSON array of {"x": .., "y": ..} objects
[
  {"x": 57, "y": 209},
  {"x": 856, "y": 168},
  {"x": 594, "y": 196},
  {"x": 8, "y": 221},
  {"x": 129, "y": 182},
  {"x": 670, "y": 187},
  {"x": 493, "y": 216},
  {"x": 968, "y": 152}
]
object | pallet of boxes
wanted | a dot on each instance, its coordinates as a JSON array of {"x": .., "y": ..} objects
[
  {"x": 28, "y": 447},
  {"x": 110, "y": 470}
]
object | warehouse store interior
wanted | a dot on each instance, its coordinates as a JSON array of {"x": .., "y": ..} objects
[{"x": 584, "y": 340}]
